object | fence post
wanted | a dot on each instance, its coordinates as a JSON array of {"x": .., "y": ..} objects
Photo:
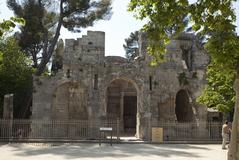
[
  {"x": 118, "y": 129},
  {"x": 149, "y": 129}
]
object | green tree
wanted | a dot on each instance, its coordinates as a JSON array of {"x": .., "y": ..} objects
[
  {"x": 30, "y": 37},
  {"x": 131, "y": 46},
  {"x": 212, "y": 19},
  {"x": 15, "y": 74},
  {"x": 71, "y": 14},
  {"x": 7, "y": 25},
  {"x": 219, "y": 93}
]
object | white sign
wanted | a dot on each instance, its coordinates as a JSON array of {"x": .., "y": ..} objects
[{"x": 106, "y": 129}]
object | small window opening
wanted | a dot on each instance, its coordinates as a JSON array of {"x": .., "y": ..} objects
[
  {"x": 96, "y": 81},
  {"x": 158, "y": 111},
  {"x": 150, "y": 83},
  {"x": 68, "y": 73}
]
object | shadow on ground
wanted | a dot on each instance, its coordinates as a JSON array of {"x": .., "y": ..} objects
[{"x": 72, "y": 151}]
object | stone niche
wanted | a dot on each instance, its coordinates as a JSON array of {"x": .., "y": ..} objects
[{"x": 69, "y": 103}]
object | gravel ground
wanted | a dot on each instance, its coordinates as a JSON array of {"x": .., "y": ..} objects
[{"x": 86, "y": 151}]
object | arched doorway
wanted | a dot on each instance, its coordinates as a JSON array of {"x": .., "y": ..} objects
[
  {"x": 69, "y": 102},
  {"x": 183, "y": 110},
  {"x": 122, "y": 104}
]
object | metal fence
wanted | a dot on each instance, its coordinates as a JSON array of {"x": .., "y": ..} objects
[
  {"x": 39, "y": 130},
  {"x": 208, "y": 131}
]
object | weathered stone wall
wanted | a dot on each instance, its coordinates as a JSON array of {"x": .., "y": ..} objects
[{"x": 80, "y": 89}]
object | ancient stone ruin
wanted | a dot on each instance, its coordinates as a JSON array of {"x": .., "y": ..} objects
[
  {"x": 8, "y": 107},
  {"x": 92, "y": 86}
]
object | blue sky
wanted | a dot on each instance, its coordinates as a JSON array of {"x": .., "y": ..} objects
[{"x": 121, "y": 24}]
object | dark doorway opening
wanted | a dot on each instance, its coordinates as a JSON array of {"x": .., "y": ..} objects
[
  {"x": 183, "y": 110},
  {"x": 122, "y": 104},
  {"x": 130, "y": 110}
]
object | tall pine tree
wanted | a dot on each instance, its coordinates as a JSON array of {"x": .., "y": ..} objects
[
  {"x": 45, "y": 18},
  {"x": 131, "y": 46}
]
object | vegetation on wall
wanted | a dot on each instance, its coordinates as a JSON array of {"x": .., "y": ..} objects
[{"x": 182, "y": 78}]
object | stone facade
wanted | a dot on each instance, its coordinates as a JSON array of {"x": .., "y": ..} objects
[{"x": 92, "y": 86}]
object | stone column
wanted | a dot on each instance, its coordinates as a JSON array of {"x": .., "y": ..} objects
[
  {"x": 7, "y": 116},
  {"x": 8, "y": 107},
  {"x": 144, "y": 116}
]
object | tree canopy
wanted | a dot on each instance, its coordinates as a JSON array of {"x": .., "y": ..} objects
[
  {"x": 7, "y": 25},
  {"x": 15, "y": 74},
  {"x": 43, "y": 25},
  {"x": 219, "y": 93},
  {"x": 30, "y": 37},
  {"x": 212, "y": 20},
  {"x": 131, "y": 46}
]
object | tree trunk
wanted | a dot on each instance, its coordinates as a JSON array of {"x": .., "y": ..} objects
[
  {"x": 233, "y": 153},
  {"x": 49, "y": 51}
]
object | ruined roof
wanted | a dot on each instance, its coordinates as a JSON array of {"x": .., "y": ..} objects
[{"x": 115, "y": 59}]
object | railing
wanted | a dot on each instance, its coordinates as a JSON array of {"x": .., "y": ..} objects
[
  {"x": 21, "y": 130},
  {"x": 208, "y": 131},
  {"x": 39, "y": 130}
]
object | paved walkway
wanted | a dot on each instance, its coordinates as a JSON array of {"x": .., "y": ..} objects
[{"x": 87, "y": 151}]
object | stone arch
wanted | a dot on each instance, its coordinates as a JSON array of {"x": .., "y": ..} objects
[
  {"x": 128, "y": 79},
  {"x": 122, "y": 96},
  {"x": 183, "y": 109},
  {"x": 69, "y": 102},
  {"x": 110, "y": 80}
]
